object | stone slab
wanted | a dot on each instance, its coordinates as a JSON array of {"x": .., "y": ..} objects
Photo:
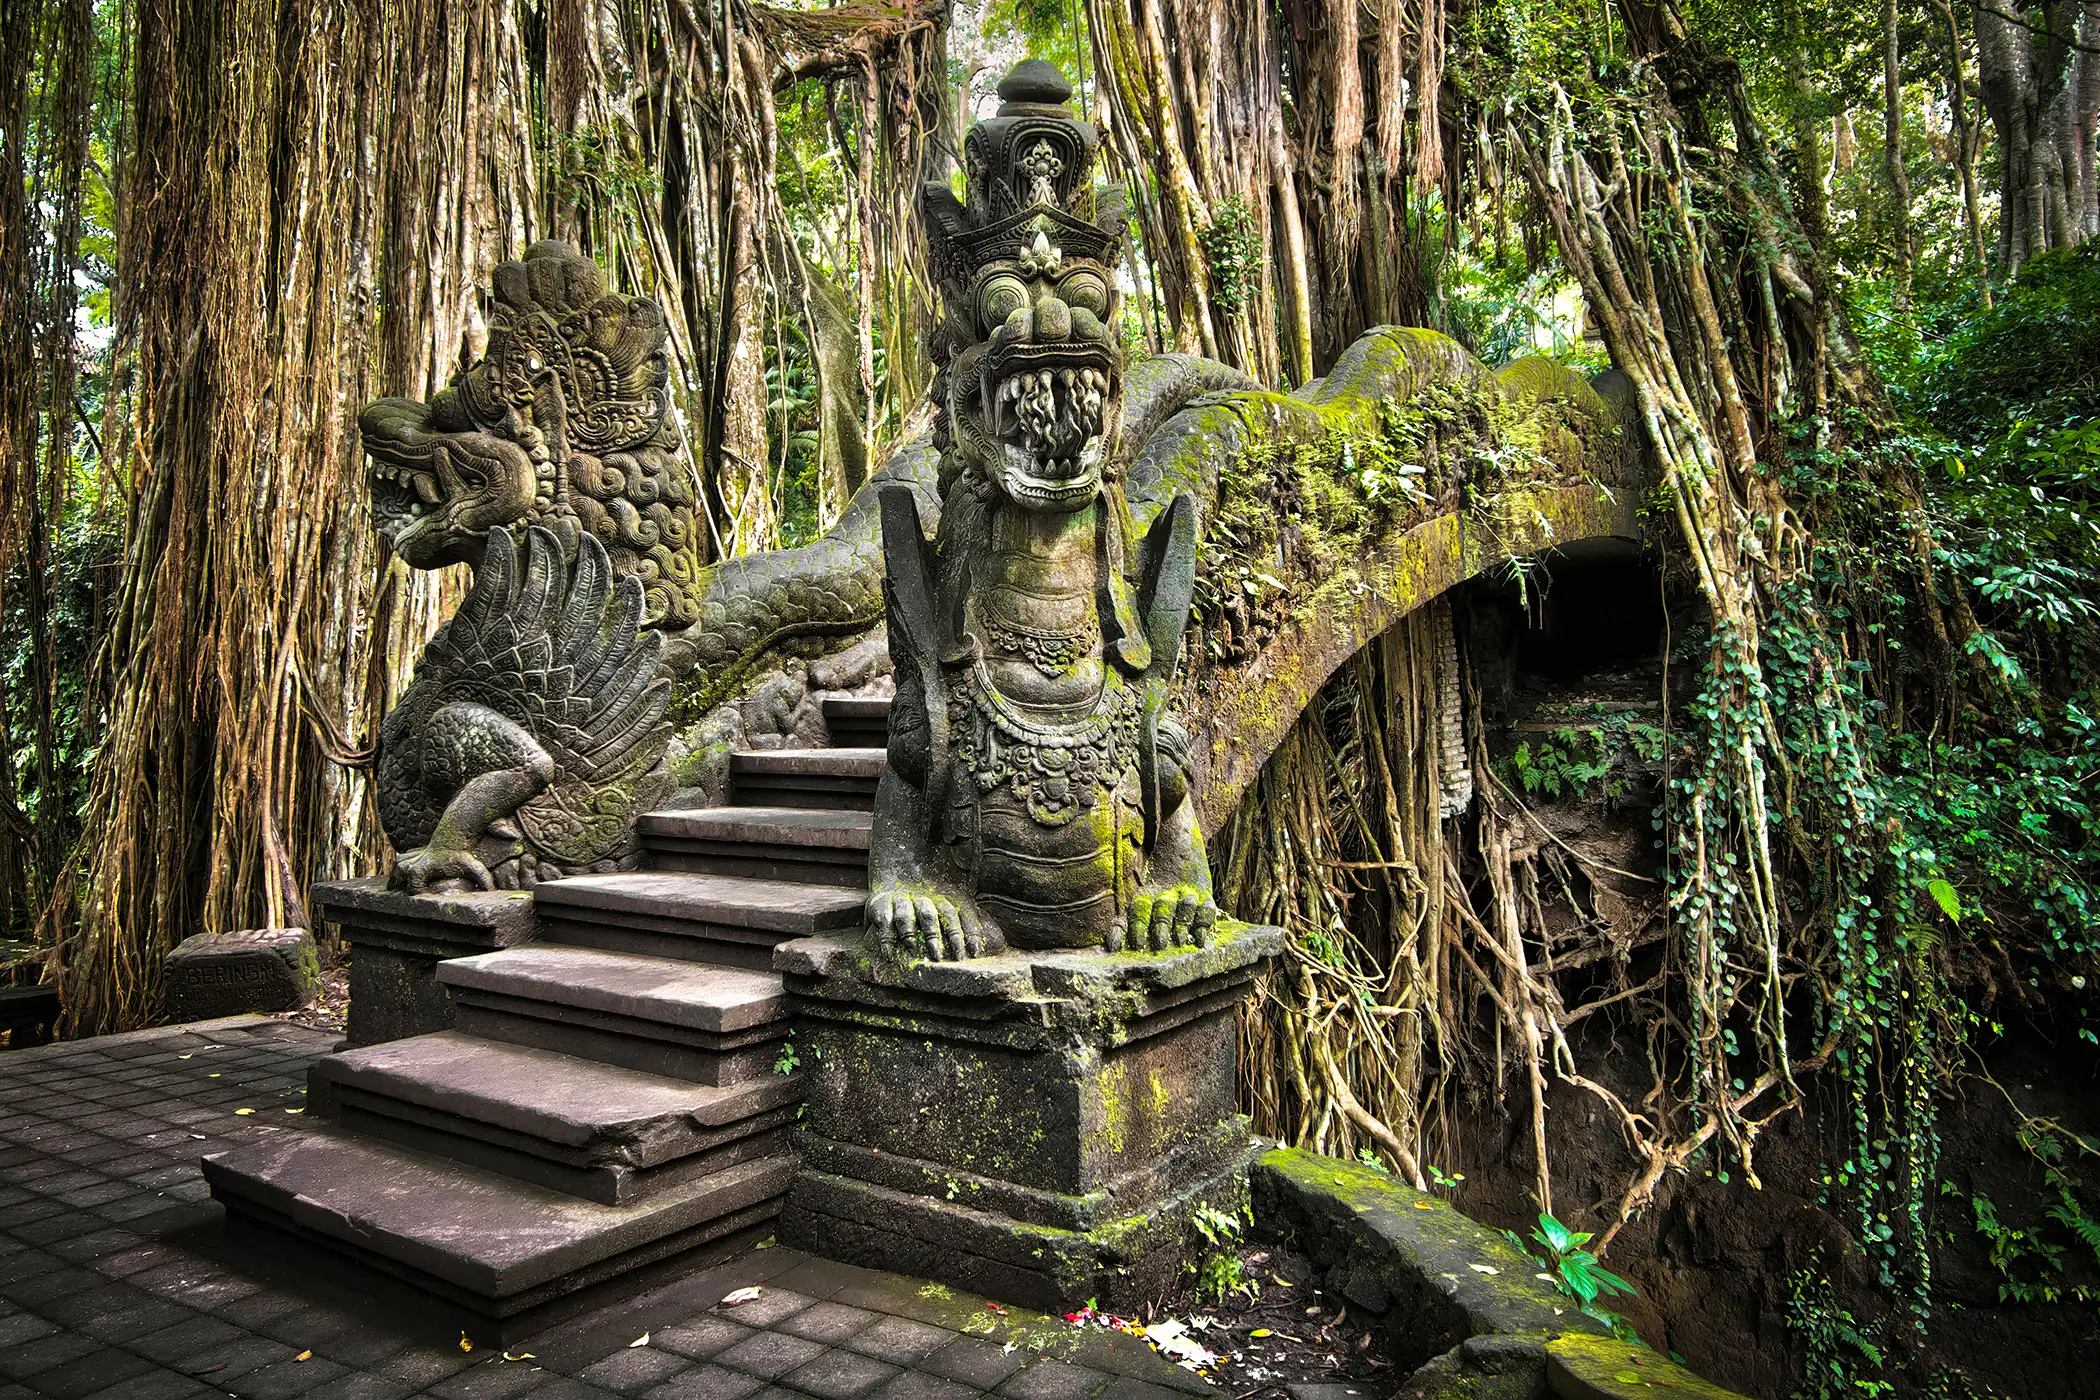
[
  {"x": 602, "y": 1113},
  {"x": 1424, "y": 1276},
  {"x": 1021, "y": 974},
  {"x": 792, "y": 827},
  {"x": 394, "y": 995},
  {"x": 777, "y": 906},
  {"x": 482, "y": 1238},
  {"x": 1125, "y": 1264},
  {"x": 224, "y": 974},
  {"x": 570, "y": 1172},
  {"x": 691, "y": 995},
  {"x": 438, "y": 925},
  {"x": 697, "y": 1057},
  {"x": 810, "y": 763}
]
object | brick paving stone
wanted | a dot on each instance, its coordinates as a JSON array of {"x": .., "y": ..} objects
[
  {"x": 706, "y": 1381},
  {"x": 553, "y": 1387},
  {"x": 362, "y": 1385},
  {"x": 829, "y": 1323},
  {"x": 700, "y": 1338},
  {"x": 52, "y": 1283},
  {"x": 494, "y": 1379},
  {"x": 185, "y": 1339},
  {"x": 26, "y": 1361},
  {"x": 1131, "y": 1388},
  {"x": 900, "y": 1340},
  {"x": 158, "y": 1383},
  {"x": 772, "y": 1305},
  {"x": 91, "y": 1373},
  {"x": 18, "y": 1328},
  {"x": 1051, "y": 1379},
  {"x": 224, "y": 1363},
  {"x": 974, "y": 1361},
  {"x": 769, "y": 1355},
  {"x": 917, "y": 1385},
  {"x": 632, "y": 1370},
  {"x": 839, "y": 1375}
]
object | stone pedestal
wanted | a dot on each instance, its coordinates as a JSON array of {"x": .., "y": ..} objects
[
  {"x": 227, "y": 974},
  {"x": 397, "y": 940},
  {"x": 1040, "y": 1127}
]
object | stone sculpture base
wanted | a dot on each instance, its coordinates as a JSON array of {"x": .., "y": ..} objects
[
  {"x": 1039, "y": 1127},
  {"x": 397, "y": 940}
]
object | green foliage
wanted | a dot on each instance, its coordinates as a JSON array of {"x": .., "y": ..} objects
[
  {"x": 1842, "y": 1360},
  {"x": 1221, "y": 1272},
  {"x": 1599, "y": 757},
  {"x": 1574, "y": 1271},
  {"x": 2035, "y": 355},
  {"x": 2052, "y": 1257},
  {"x": 1232, "y": 246}
]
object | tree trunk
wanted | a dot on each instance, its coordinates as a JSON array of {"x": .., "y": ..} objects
[
  {"x": 2041, "y": 89},
  {"x": 1892, "y": 155}
]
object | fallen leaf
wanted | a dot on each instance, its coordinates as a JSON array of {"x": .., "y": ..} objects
[
  {"x": 521, "y": 1356},
  {"x": 994, "y": 1307},
  {"x": 295, "y": 1110},
  {"x": 1260, "y": 1332},
  {"x": 209, "y": 1369},
  {"x": 304, "y": 1356},
  {"x": 466, "y": 1343},
  {"x": 182, "y": 1057},
  {"x": 640, "y": 1341},
  {"x": 1626, "y": 1378},
  {"x": 742, "y": 1295},
  {"x": 213, "y": 1075},
  {"x": 1283, "y": 1283},
  {"x": 1423, "y": 1205},
  {"x": 243, "y": 1112},
  {"x": 1484, "y": 1268}
]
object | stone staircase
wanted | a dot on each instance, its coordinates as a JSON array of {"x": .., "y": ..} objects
[{"x": 607, "y": 1097}]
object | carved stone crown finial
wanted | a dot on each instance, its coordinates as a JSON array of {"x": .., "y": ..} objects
[{"x": 1034, "y": 81}]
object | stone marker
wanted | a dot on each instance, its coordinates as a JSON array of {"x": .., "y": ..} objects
[{"x": 228, "y": 974}]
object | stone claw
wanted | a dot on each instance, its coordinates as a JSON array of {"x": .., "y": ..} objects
[
  {"x": 930, "y": 925},
  {"x": 1180, "y": 916},
  {"x": 422, "y": 870}
]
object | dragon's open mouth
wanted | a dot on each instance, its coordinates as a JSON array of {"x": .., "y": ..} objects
[
  {"x": 1045, "y": 407},
  {"x": 403, "y": 500}
]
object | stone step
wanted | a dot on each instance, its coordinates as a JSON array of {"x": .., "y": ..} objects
[
  {"x": 858, "y": 721},
  {"x": 601, "y": 1132},
  {"x": 844, "y": 779},
  {"x": 686, "y": 1020},
  {"x": 774, "y": 843},
  {"x": 496, "y": 1245},
  {"x": 720, "y": 919}
]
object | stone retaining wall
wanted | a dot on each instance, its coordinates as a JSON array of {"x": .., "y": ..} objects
[{"x": 1450, "y": 1298}]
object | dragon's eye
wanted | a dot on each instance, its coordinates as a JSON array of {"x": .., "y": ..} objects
[
  {"x": 1085, "y": 289},
  {"x": 1000, "y": 297}
]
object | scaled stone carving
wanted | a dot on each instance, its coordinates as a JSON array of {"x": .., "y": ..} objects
[
  {"x": 1035, "y": 793},
  {"x": 532, "y": 730}
]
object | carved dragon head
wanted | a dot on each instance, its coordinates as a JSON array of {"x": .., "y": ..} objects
[
  {"x": 563, "y": 423},
  {"x": 1030, "y": 382}
]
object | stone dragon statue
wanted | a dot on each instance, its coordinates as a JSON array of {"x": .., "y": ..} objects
[
  {"x": 587, "y": 676},
  {"x": 1035, "y": 792}
]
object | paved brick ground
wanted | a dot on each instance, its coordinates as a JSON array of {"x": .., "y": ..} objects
[{"x": 121, "y": 1280}]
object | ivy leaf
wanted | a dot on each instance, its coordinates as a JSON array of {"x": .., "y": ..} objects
[{"x": 1943, "y": 894}]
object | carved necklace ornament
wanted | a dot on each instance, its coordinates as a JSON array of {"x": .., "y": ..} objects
[{"x": 1057, "y": 771}]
